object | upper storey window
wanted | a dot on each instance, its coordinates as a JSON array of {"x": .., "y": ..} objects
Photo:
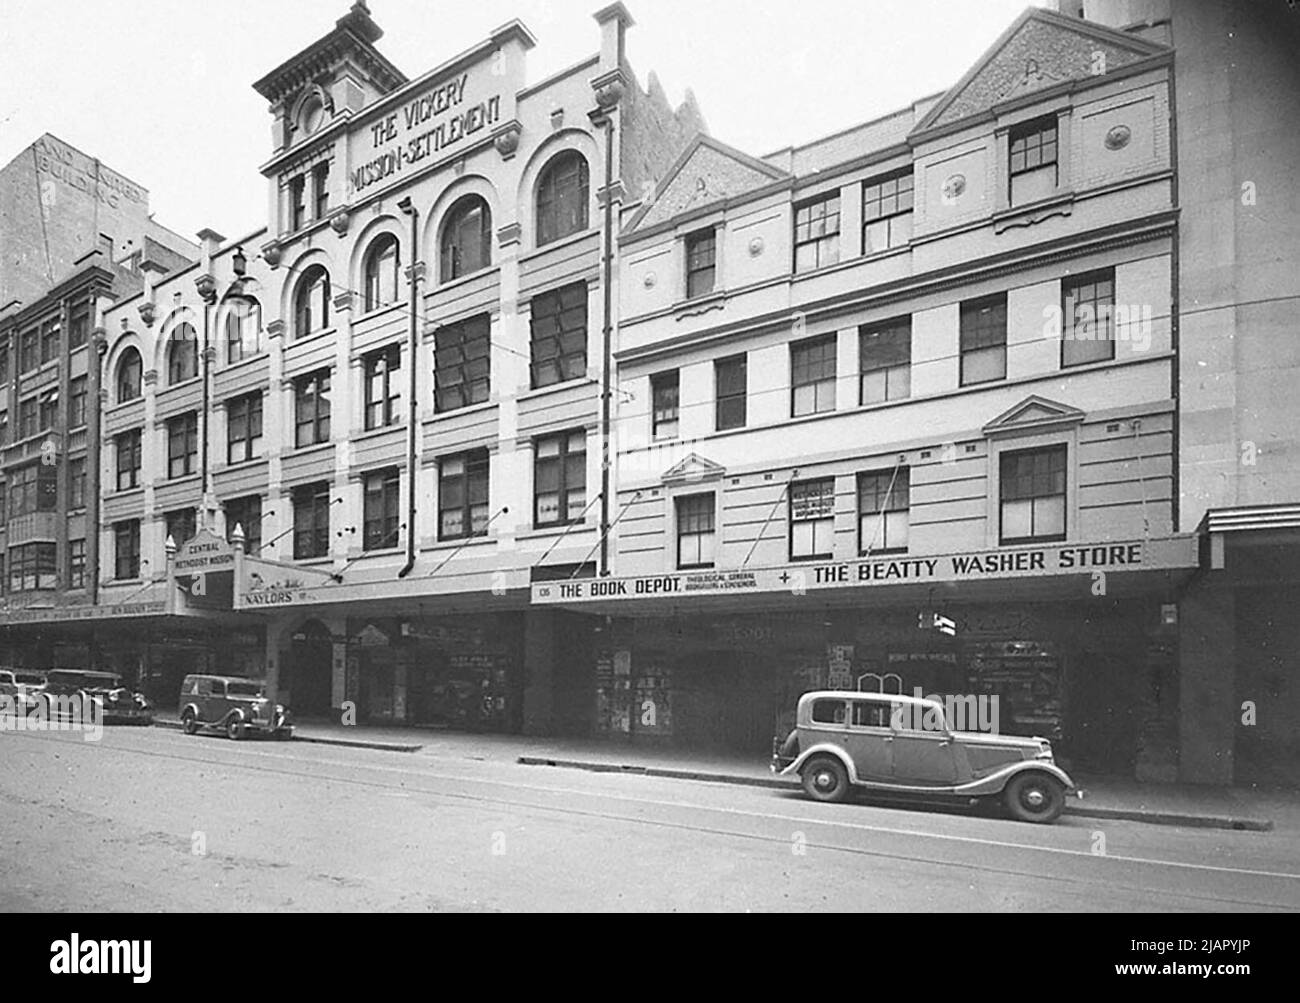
[
  {"x": 182, "y": 355},
  {"x": 817, "y": 233},
  {"x": 887, "y": 211},
  {"x": 311, "y": 302},
  {"x": 130, "y": 372},
  {"x": 466, "y": 245},
  {"x": 563, "y": 193},
  {"x": 701, "y": 263},
  {"x": 1033, "y": 164},
  {"x": 382, "y": 270},
  {"x": 298, "y": 202}
]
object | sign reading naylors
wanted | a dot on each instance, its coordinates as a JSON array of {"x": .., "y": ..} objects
[{"x": 1060, "y": 559}]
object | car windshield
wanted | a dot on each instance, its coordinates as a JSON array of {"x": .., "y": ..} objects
[{"x": 244, "y": 689}]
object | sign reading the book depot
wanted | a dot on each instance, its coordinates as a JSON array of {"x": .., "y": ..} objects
[{"x": 1058, "y": 559}]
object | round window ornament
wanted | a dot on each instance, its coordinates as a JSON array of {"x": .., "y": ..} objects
[
  {"x": 1118, "y": 137},
  {"x": 954, "y": 188},
  {"x": 756, "y": 247}
]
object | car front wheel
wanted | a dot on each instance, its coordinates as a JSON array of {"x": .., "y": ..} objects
[
  {"x": 189, "y": 723},
  {"x": 825, "y": 779},
  {"x": 1034, "y": 797},
  {"x": 234, "y": 727}
]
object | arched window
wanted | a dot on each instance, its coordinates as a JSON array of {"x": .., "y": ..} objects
[
  {"x": 466, "y": 238},
  {"x": 243, "y": 329},
  {"x": 130, "y": 373},
  {"x": 563, "y": 192},
  {"x": 382, "y": 269},
  {"x": 182, "y": 355},
  {"x": 311, "y": 302}
]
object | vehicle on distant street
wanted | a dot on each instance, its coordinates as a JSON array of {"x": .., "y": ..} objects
[
  {"x": 20, "y": 693},
  {"x": 121, "y": 704},
  {"x": 888, "y": 744},
  {"x": 237, "y": 706}
]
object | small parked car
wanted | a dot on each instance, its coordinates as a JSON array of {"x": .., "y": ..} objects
[
  {"x": 237, "y": 706},
  {"x": 21, "y": 695},
  {"x": 898, "y": 745},
  {"x": 122, "y": 705}
]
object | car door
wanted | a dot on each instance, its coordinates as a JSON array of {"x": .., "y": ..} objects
[
  {"x": 218, "y": 703},
  {"x": 923, "y": 755},
  {"x": 869, "y": 740}
]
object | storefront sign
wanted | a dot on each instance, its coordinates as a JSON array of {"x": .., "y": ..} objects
[
  {"x": 266, "y": 583},
  {"x": 446, "y": 114},
  {"x": 203, "y": 553},
  {"x": 68, "y": 613},
  {"x": 1058, "y": 559}
]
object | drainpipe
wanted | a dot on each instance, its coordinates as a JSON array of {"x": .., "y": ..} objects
[
  {"x": 412, "y": 431},
  {"x": 607, "y": 280}
]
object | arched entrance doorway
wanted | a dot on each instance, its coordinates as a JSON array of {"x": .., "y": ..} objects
[{"x": 310, "y": 670}]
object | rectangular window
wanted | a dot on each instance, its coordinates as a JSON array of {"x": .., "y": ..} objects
[
  {"x": 127, "y": 448},
  {"x": 701, "y": 263},
  {"x": 33, "y": 567},
  {"x": 29, "y": 349},
  {"x": 382, "y": 491},
  {"x": 126, "y": 550},
  {"x": 33, "y": 488},
  {"x": 244, "y": 428},
  {"x": 182, "y": 445},
  {"x": 731, "y": 387},
  {"x": 77, "y": 483},
  {"x": 4, "y": 429},
  {"x": 1088, "y": 318},
  {"x": 28, "y": 418},
  {"x": 77, "y": 564},
  {"x": 297, "y": 202},
  {"x": 48, "y": 416},
  {"x": 812, "y": 519},
  {"x": 463, "y": 495},
  {"x": 817, "y": 233},
  {"x": 311, "y": 521},
  {"x": 1033, "y": 160},
  {"x": 246, "y": 515},
  {"x": 984, "y": 340},
  {"x": 812, "y": 376},
  {"x": 4, "y": 359},
  {"x": 664, "y": 391},
  {"x": 885, "y": 359},
  {"x": 311, "y": 398},
  {"x": 884, "y": 500},
  {"x": 79, "y": 324},
  {"x": 887, "y": 211},
  {"x": 77, "y": 402},
  {"x": 560, "y": 479},
  {"x": 1032, "y": 495},
  {"x": 383, "y": 387},
  {"x": 462, "y": 364},
  {"x": 50, "y": 332},
  {"x": 559, "y": 335},
  {"x": 695, "y": 531},
  {"x": 179, "y": 525},
  {"x": 320, "y": 178}
]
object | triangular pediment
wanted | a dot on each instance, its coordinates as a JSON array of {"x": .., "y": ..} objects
[
  {"x": 694, "y": 468},
  {"x": 707, "y": 172},
  {"x": 1033, "y": 413},
  {"x": 1040, "y": 50}
]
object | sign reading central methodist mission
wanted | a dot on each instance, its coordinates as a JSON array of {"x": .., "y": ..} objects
[{"x": 1063, "y": 559}]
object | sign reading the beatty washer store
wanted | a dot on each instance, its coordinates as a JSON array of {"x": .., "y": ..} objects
[
  {"x": 1060, "y": 559},
  {"x": 441, "y": 116}
]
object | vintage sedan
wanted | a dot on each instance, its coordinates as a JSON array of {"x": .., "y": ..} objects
[
  {"x": 21, "y": 696},
  {"x": 894, "y": 745},
  {"x": 235, "y": 705},
  {"x": 121, "y": 704}
]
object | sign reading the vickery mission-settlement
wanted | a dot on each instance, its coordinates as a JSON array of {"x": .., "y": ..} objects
[
  {"x": 1059, "y": 559},
  {"x": 439, "y": 118}
]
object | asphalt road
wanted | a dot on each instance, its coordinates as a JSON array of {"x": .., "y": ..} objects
[{"x": 150, "y": 819}]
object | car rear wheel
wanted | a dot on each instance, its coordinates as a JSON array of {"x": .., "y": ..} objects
[
  {"x": 189, "y": 723},
  {"x": 1034, "y": 797},
  {"x": 234, "y": 727},
  {"x": 825, "y": 779}
]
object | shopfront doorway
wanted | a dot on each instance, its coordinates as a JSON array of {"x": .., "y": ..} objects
[{"x": 310, "y": 665}]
